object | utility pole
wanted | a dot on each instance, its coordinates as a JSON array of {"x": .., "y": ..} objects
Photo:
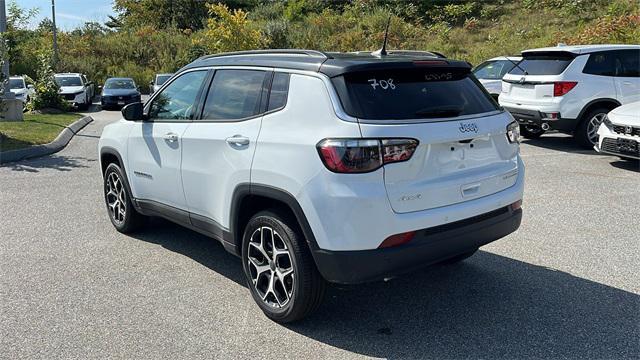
[{"x": 55, "y": 31}]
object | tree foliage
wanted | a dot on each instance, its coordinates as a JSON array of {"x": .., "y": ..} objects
[
  {"x": 46, "y": 90},
  {"x": 229, "y": 30}
]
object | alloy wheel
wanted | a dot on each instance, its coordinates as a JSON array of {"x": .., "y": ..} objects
[
  {"x": 593, "y": 126},
  {"x": 116, "y": 198},
  {"x": 271, "y": 267}
]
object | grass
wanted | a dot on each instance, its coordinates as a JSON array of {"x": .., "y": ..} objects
[{"x": 34, "y": 130}]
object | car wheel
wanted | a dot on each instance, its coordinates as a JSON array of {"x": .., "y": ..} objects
[
  {"x": 280, "y": 271},
  {"x": 531, "y": 131},
  {"x": 587, "y": 132},
  {"x": 117, "y": 196},
  {"x": 458, "y": 258}
]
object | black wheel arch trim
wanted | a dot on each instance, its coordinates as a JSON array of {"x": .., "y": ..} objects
[
  {"x": 107, "y": 150},
  {"x": 595, "y": 102},
  {"x": 245, "y": 190}
]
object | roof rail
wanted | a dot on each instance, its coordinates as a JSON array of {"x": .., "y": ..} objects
[
  {"x": 313, "y": 53},
  {"x": 407, "y": 53}
]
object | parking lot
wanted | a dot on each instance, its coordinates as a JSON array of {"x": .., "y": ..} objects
[{"x": 565, "y": 285}]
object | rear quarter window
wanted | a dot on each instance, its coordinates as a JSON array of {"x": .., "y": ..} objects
[{"x": 412, "y": 94}]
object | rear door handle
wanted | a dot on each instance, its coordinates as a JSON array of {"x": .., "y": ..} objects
[
  {"x": 238, "y": 140},
  {"x": 171, "y": 137}
]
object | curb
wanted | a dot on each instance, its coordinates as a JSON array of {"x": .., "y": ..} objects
[{"x": 45, "y": 149}]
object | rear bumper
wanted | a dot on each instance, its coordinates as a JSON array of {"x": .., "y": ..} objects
[
  {"x": 537, "y": 118},
  {"x": 429, "y": 246}
]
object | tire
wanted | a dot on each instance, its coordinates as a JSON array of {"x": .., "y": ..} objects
[
  {"x": 585, "y": 133},
  {"x": 531, "y": 132},
  {"x": 284, "y": 297},
  {"x": 458, "y": 258},
  {"x": 117, "y": 193}
]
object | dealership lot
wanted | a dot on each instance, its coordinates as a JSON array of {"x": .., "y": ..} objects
[{"x": 564, "y": 285}]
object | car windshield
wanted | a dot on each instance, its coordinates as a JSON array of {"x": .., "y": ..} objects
[
  {"x": 68, "y": 81},
  {"x": 412, "y": 94},
  {"x": 161, "y": 79},
  {"x": 16, "y": 84},
  {"x": 493, "y": 70},
  {"x": 544, "y": 64},
  {"x": 120, "y": 84}
]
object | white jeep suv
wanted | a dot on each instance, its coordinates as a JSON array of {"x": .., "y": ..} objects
[
  {"x": 315, "y": 167},
  {"x": 571, "y": 88}
]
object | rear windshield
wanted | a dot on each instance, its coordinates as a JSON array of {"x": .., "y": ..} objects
[
  {"x": 542, "y": 65},
  {"x": 412, "y": 94}
]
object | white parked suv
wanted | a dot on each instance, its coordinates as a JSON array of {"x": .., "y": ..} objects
[
  {"x": 23, "y": 92},
  {"x": 571, "y": 88},
  {"x": 76, "y": 89},
  {"x": 315, "y": 167},
  {"x": 619, "y": 133},
  {"x": 490, "y": 73}
]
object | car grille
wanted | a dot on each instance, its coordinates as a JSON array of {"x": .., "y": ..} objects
[
  {"x": 69, "y": 96},
  {"x": 615, "y": 146},
  {"x": 621, "y": 129}
]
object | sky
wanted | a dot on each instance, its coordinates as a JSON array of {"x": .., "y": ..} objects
[{"x": 70, "y": 13}]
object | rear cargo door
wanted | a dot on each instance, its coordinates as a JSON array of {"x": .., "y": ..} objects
[
  {"x": 463, "y": 152},
  {"x": 532, "y": 80}
]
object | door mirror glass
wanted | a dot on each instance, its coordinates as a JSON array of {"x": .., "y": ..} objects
[{"x": 133, "y": 112}]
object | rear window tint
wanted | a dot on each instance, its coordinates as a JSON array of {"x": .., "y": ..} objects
[
  {"x": 542, "y": 65},
  {"x": 412, "y": 94}
]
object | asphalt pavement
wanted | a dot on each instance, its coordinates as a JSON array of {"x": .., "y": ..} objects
[{"x": 565, "y": 285}]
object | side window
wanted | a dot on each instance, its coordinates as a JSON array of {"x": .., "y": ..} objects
[
  {"x": 628, "y": 63},
  {"x": 279, "y": 91},
  {"x": 601, "y": 63},
  {"x": 234, "y": 95},
  {"x": 178, "y": 100}
]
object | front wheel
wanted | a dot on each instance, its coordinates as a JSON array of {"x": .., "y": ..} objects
[
  {"x": 117, "y": 196},
  {"x": 531, "y": 131},
  {"x": 280, "y": 271},
  {"x": 587, "y": 132}
]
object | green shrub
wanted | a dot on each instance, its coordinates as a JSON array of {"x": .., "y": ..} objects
[{"x": 46, "y": 90}]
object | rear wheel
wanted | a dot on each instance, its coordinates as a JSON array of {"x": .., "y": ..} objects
[
  {"x": 280, "y": 271},
  {"x": 587, "y": 132},
  {"x": 531, "y": 131},
  {"x": 117, "y": 196}
]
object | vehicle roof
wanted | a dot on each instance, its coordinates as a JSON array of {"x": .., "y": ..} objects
[
  {"x": 512, "y": 58},
  {"x": 583, "y": 49},
  {"x": 16, "y": 77},
  {"x": 329, "y": 63},
  {"x": 119, "y": 78},
  {"x": 68, "y": 74},
  {"x": 161, "y": 74}
]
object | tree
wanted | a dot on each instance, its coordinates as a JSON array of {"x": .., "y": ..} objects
[{"x": 229, "y": 30}]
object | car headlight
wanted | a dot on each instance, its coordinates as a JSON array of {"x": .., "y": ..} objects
[
  {"x": 607, "y": 122},
  {"x": 513, "y": 132}
]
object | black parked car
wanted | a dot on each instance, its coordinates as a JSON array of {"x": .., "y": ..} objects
[{"x": 118, "y": 92}]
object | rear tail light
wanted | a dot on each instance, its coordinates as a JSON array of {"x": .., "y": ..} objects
[
  {"x": 364, "y": 155},
  {"x": 560, "y": 88},
  {"x": 398, "y": 239}
]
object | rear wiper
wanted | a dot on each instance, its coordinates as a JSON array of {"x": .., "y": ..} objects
[
  {"x": 434, "y": 113},
  {"x": 518, "y": 66}
]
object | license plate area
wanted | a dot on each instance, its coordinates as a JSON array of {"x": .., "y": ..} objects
[{"x": 120, "y": 102}]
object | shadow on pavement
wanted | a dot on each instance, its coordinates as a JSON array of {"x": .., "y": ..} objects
[
  {"x": 559, "y": 142},
  {"x": 633, "y": 165},
  {"x": 56, "y": 162},
  {"x": 489, "y": 306}
]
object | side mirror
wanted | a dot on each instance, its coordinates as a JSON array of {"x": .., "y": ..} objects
[
  {"x": 133, "y": 111},
  {"x": 30, "y": 87}
]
